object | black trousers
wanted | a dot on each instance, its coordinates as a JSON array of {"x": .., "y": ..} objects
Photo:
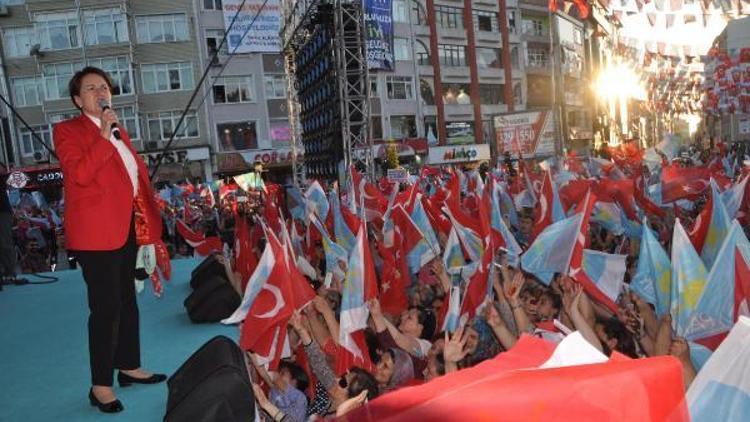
[{"x": 114, "y": 338}]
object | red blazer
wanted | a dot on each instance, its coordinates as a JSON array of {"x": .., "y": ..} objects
[{"x": 98, "y": 192}]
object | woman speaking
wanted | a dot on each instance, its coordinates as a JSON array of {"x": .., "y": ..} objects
[{"x": 109, "y": 210}]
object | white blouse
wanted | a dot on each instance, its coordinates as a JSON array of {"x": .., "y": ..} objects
[{"x": 125, "y": 155}]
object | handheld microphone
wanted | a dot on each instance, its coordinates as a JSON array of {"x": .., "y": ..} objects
[{"x": 113, "y": 129}]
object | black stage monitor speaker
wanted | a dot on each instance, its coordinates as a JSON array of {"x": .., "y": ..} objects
[
  {"x": 211, "y": 386},
  {"x": 213, "y": 299},
  {"x": 209, "y": 266}
]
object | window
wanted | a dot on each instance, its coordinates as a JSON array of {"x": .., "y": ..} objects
[
  {"x": 57, "y": 31},
  {"x": 212, "y": 5},
  {"x": 402, "y": 49},
  {"x": 161, "y": 125},
  {"x": 281, "y": 132},
  {"x": 512, "y": 21},
  {"x": 104, "y": 26},
  {"x": 162, "y": 28},
  {"x": 12, "y": 2},
  {"x": 373, "y": 86},
  {"x": 577, "y": 36},
  {"x": 29, "y": 144},
  {"x": 430, "y": 129},
  {"x": 401, "y": 11},
  {"x": 59, "y": 117},
  {"x": 418, "y": 14},
  {"x": 460, "y": 132},
  {"x": 449, "y": 17},
  {"x": 491, "y": 94},
  {"x": 534, "y": 27},
  {"x": 129, "y": 119},
  {"x": 233, "y": 90},
  {"x": 399, "y": 87},
  {"x": 489, "y": 57},
  {"x": 376, "y": 123},
  {"x": 237, "y": 136},
  {"x": 403, "y": 127},
  {"x": 213, "y": 39},
  {"x": 454, "y": 93},
  {"x": 163, "y": 77},
  {"x": 27, "y": 91},
  {"x": 514, "y": 61},
  {"x": 426, "y": 92},
  {"x": 488, "y": 131},
  {"x": 486, "y": 21},
  {"x": 537, "y": 57},
  {"x": 119, "y": 70},
  {"x": 452, "y": 55},
  {"x": 423, "y": 53},
  {"x": 18, "y": 41},
  {"x": 56, "y": 77},
  {"x": 275, "y": 86},
  {"x": 517, "y": 93}
]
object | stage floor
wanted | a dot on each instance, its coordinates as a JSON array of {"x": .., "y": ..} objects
[{"x": 44, "y": 371}]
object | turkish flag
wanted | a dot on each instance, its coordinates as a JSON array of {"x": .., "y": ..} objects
[
  {"x": 264, "y": 328},
  {"x": 511, "y": 387},
  {"x": 543, "y": 211},
  {"x": 683, "y": 182}
]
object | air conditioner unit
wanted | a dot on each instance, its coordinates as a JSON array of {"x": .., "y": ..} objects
[
  {"x": 36, "y": 51},
  {"x": 4, "y": 11},
  {"x": 41, "y": 157},
  {"x": 152, "y": 145}
]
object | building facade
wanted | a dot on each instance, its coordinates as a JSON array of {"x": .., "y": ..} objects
[
  {"x": 453, "y": 72},
  {"x": 147, "y": 47}
]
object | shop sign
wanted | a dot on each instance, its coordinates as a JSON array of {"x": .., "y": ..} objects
[
  {"x": 398, "y": 175},
  {"x": 459, "y": 154},
  {"x": 17, "y": 179},
  {"x": 177, "y": 156}
]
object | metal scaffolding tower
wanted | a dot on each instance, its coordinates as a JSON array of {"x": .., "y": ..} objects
[{"x": 351, "y": 73}]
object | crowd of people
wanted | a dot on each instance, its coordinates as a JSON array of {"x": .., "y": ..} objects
[
  {"x": 408, "y": 343},
  {"x": 406, "y": 340}
]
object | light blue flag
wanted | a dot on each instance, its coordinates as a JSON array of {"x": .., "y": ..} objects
[
  {"x": 689, "y": 278},
  {"x": 552, "y": 249},
  {"x": 471, "y": 240},
  {"x": 453, "y": 259},
  {"x": 507, "y": 207},
  {"x": 558, "y": 213},
  {"x": 631, "y": 228},
  {"x": 653, "y": 275},
  {"x": 452, "y": 317},
  {"x": 717, "y": 228},
  {"x": 14, "y": 195},
  {"x": 317, "y": 201},
  {"x": 607, "y": 271},
  {"x": 344, "y": 236},
  {"x": 733, "y": 197},
  {"x": 296, "y": 203},
  {"x": 721, "y": 391},
  {"x": 714, "y": 313},
  {"x": 609, "y": 216},
  {"x": 498, "y": 224},
  {"x": 420, "y": 219},
  {"x": 334, "y": 253}
]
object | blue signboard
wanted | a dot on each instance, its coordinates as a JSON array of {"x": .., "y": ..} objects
[{"x": 379, "y": 26}]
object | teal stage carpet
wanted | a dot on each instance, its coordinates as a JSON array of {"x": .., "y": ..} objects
[{"x": 44, "y": 370}]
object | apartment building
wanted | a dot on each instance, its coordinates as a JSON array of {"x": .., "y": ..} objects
[
  {"x": 246, "y": 105},
  {"x": 450, "y": 72},
  {"x": 149, "y": 49}
]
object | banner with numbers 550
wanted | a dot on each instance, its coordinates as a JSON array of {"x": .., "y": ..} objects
[{"x": 530, "y": 133}]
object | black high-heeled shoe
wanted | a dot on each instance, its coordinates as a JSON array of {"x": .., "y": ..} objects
[
  {"x": 125, "y": 380},
  {"x": 111, "y": 407}
]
